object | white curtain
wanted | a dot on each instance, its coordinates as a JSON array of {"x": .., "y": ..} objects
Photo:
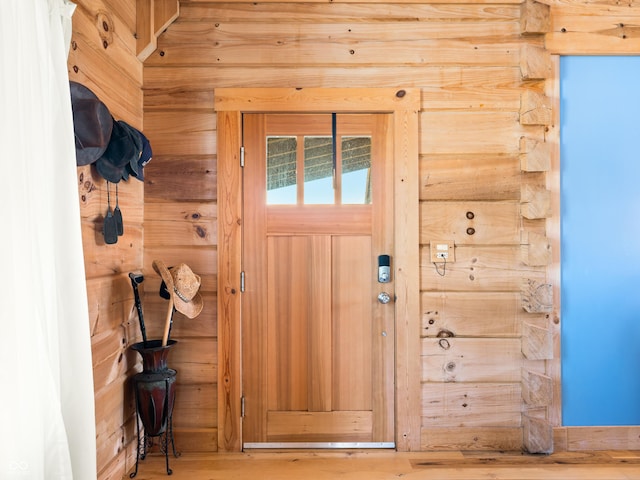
[{"x": 47, "y": 418}]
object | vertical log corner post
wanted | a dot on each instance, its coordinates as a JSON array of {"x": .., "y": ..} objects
[{"x": 536, "y": 115}]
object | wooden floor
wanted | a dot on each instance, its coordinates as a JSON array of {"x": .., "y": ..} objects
[{"x": 382, "y": 465}]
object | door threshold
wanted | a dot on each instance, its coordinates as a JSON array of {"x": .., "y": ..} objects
[{"x": 317, "y": 445}]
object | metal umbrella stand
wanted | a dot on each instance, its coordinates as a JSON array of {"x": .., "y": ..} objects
[{"x": 155, "y": 390}]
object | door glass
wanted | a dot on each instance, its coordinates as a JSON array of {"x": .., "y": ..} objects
[
  {"x": 315, "y": 185},
  {"x": 356, "y": 170},
  {"x": 318, "y": 171},
  {"x": 281, "y": 170}
]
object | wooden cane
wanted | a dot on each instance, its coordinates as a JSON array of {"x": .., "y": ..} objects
[{"x": 167, "y": 323}]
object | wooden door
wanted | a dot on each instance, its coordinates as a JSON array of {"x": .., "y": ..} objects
[{"x": 317, "y": 345}]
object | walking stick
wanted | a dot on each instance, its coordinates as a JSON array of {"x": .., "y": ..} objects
[{"x": 167, "y": 323}]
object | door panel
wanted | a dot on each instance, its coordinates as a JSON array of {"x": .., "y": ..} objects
[
  {"x": 320, "y": 427},
  {"x": 351, "y": 320},
  {"x": 299, "y": 328},
  {"x": 318, "y": 348}
]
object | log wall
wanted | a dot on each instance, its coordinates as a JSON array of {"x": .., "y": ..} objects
[
  {"x": 481, "y": 69},
  {"x": 103, "y": 57},
  {"x": 488, "y": 182}
]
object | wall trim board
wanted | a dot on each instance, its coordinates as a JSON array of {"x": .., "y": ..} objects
[
  {"x": 578, "y": 439},
  {"x": 552, "y": 226},
  {"x": 404, "y": 105}
]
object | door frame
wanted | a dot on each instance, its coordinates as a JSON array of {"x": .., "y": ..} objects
[{"x": 404, "y": 106}]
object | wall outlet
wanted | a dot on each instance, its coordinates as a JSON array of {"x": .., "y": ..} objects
[{"x": 442, "y": 251}]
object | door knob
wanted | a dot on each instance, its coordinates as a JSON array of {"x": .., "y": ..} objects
[{"x": 384, "y": 297}]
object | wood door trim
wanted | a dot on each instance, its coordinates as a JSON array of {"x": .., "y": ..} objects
[
  {"x": 404, "y": 105},
  {"x": 316, "y": 100}
]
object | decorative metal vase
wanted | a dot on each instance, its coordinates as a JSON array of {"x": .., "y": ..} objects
[{"x": 155, "y": 392}]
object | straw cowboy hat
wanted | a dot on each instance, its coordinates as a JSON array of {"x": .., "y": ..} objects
[{"x": 182, "y": 285}]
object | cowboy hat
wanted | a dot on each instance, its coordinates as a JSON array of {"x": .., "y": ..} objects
[
  {"x": 92, "y": 124},
  {"x": 182, "y": 285}
]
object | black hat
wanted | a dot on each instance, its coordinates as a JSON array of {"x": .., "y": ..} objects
[
  {"x": 145, "y": 157},
  {"x": 124, "y": 149},
  {"x": 92, "y": 124}
]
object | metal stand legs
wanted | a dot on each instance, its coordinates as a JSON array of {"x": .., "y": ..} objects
[{"x": 151, "y": 390}]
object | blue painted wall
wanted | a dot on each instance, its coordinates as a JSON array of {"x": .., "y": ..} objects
[{"x": 600, "y": 222}]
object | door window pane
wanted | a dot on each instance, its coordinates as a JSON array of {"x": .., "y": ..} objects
[
  {"x": 356, "y": 170},
  {"x": 281, "y": 170},
  {"x": 318, "y": 171}
]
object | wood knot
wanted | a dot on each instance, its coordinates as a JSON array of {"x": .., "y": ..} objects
[
  {"x": 445, "y": 334},
  {"x": 105, "y": 27},
  {"x": 401, "y": 93}
]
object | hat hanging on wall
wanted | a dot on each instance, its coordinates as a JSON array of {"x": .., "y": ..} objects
[
  {"x": 92, "y": 124},
  {"x": 145, "y": 157},
  {"x": 122, "y": 153},
  {"x": 118, "y": 149}
]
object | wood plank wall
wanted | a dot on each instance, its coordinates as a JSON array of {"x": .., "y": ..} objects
[
  {"x": 103, "y": 57},
  {"x": 480, "y": 153},
  {"x": 467, "y": 58}
]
